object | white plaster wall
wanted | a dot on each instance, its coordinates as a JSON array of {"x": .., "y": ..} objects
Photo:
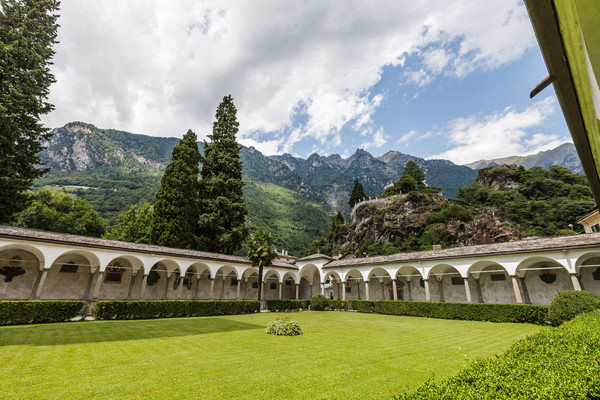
[
  {"x": 203, "y": 287},
  {"x": 20, "y": 286},
  {"x": 418, "y": 293},
  {"x": 453, "y": 293},
  {"x": 497, "y": 292},
  {"x": 541, "y": 292},
  {"x": 156, "y": 291},
  {"x": 289, "y": 291},
  {"x": 65, "y": 285},
  {"x": 587, "y": 280}
]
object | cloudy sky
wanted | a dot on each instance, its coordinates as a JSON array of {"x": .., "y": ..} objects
[{"x": 436, "y": 79}]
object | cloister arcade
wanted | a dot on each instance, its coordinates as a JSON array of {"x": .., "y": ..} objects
[{"x": 41, "y": 265}]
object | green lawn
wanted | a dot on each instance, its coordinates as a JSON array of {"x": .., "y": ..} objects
[{"x": 342, "y": 355}]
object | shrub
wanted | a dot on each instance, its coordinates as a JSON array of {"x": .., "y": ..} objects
[
  {"x": 171, "y": 308},
  {"x": 557, "y": 363},
  {"x": 338, "y": 305},
  {"x": 467, "y": 311},
  {"x": 283, "y": 326},
  {"x": 318, "y": 302},
  {"x": 567, "y": 305},
  {"x": 36, "y": 311},
  {"x": 287, "y": 305}
]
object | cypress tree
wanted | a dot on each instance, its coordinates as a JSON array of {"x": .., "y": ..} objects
[
  {"x": 413, "y": 170},
  {"x": 357, "y": 195},
  {"x": 174, "y": 222},
  {"x": 222, "y": 206},
  {"x": 28, "y": 30}
]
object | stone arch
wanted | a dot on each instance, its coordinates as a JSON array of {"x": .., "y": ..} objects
[
  {"x": 541, "y": 278},
  {"x": 354, "y": 285},
  {"x": 271, "y": 284},
  {"x": 199, "y": 288},
  {"x": 380, "y": 284},
  {"x": 70, "y": 276},
  {"x": 249, "y": 282},
  {"x": 157, "y": 282},
  {"x": 333, "y": 285},
  {"x": 413, "y": 286},
  {"x": 490, "y": 283},
  {"x": 20, "y": 268},
  {"x": 122, "y": 278},
  {"x": 446, "y": 284},
  {"x": 310, "y": 281},
  {"x": 288, "y": 282},
  {"x": 588, "y": 271},
  {"x": 225, "y": 283}
]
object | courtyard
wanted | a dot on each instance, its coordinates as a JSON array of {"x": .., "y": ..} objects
[{"x": 341, "y": 355}]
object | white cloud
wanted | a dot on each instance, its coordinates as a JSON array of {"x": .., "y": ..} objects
[
  {"x": 501, "y": 134},
  {"x": 379, "y": 139},
  {"x": 160, "y": 68},
  {"x": 406, "y": 137}
]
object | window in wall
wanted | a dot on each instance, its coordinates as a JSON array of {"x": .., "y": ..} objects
[
  {"x": 596, "y": 228},
  {"x": 596, "y": 274},
  {"x": 254, "y": 285},
  {"x": 234, "y": 281},
  {"x": 457, "y": 280},
  {"x": 69, "y": 267},
  {"x": 348, "y": 289},
  {"x": 498, "y": 277},
  {"x": 288, "y": 283},
  {"x": 114, "y": 274},
  {"x": 273, "y": 286}
]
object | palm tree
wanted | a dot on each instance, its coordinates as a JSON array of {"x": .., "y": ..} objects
[{"x": 261, "y": 253}]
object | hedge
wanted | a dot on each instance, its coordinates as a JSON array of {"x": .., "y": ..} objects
[
  {"x": 287, "y": 305},
  {"x": 39, "y": 311},
  {"x": 557, "y": 363},
  {"x": 570, "y": 303},
  {"x": 171, "y": 308},
  {"x": 527, "y": 313}
]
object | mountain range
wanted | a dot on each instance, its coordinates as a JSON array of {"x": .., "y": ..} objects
[{"x": 288, "y": 195}]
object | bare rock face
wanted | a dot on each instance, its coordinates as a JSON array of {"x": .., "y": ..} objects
[{"x": 385, "y": 220}]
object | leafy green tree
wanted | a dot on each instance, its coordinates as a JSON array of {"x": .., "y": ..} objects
[
  {"x": 28, "y": 30},
  {"x": 223, "y": 210},
  {"x": 413, "y": 170},
  {"x": 134, "y": 225},
  {"x": 60, "y": 213},
  {"x": 336, "y": 221},
  {"x": 357, "y": 195},
  {"x": 174, "y": 223},
  {"x": 261, "y": 253}
]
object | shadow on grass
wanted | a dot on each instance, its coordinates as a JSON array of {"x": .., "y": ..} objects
[{"x": 109, "y": 331}]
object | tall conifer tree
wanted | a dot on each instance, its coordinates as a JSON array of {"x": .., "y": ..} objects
[
  {"x": 174, "y": 222},
  {"x": 357, "y": 195},
  {"x": 222, "y": 206},
  {"x": 28, "y": 30}
]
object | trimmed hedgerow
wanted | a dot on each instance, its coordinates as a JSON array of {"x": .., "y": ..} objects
[
  {"x": 171, "y": 308},
  {"x": 39, "y": 311},
  {"x": 287, "y": 305},
  {"x": 467, "y": 311},
  {"x": 558, "y": 363},
  {"x": 283, "y": 326},
  {"x": 568, "y": 304},
  {"x": 318, "y": 302},
  {"x": 342, "y": 305}
]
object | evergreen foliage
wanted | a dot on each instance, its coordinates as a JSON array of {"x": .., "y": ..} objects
[
  {"x": 570, "y": 303},
  {"x": 28, "y": 30},
  {"x": 134, "y": 225},
  {"x": 40, "y": 312},
  {"x": 60, "y": 213},
  {"x": 223, "y": 210},
  {"x": 413, "y": 170},
  {"x": 283, "y": 326},
  {"x": 174, "y": 223},
  {"x": 261, "y": 253},
  {"x": 357, "y": 195}
]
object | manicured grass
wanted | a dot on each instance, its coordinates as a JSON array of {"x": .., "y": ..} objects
[{"x": 341, "y": 355}]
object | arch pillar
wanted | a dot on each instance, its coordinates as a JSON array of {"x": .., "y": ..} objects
[
  {"x": 88, "y": 286},
  {"x": 297, "y": 290},
  {"x": 180, "y": 287},
  {"x": 280, "y": 291},
  {"x": 467, "y": 290},
  {"x": 427, "y": 292},
  {"x": 237, "y": 289},
  {"x": 144, "y": 285},
  {"x": 38, "y": 285},
  {"x": 395, "y": 290},
  {"x": 212, "y": 288},
  {"x": 366, "y": 290},
  {"x": 575, "y": 282},
  {"x": 344, "y": 291},
  {"x": 197, "y": 286},
  {"x": 516, "y": 289},
  {"x": 322, "y": 289},
  {"x": 134, "y": 275},
  {"x": 98, "y": 285}
]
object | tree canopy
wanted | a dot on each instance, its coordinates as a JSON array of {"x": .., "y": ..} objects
[
  {"x": 223, "y": 210},
  {"x": 176, "y": 209},
  {"x": 357, "y": 195},
  {"x": 261, "y": 253},
  {"x": 134, "y": 225},
  {"x": 60, "y": 213},
  {"x": 28, "y": 29},
  {"x": 413, "y": 170}
]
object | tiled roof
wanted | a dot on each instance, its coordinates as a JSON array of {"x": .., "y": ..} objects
[
  {"x": 85, "y": 241},
  {"x": 317, "y": 256},
  {"x": 484, "y": 250}
]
